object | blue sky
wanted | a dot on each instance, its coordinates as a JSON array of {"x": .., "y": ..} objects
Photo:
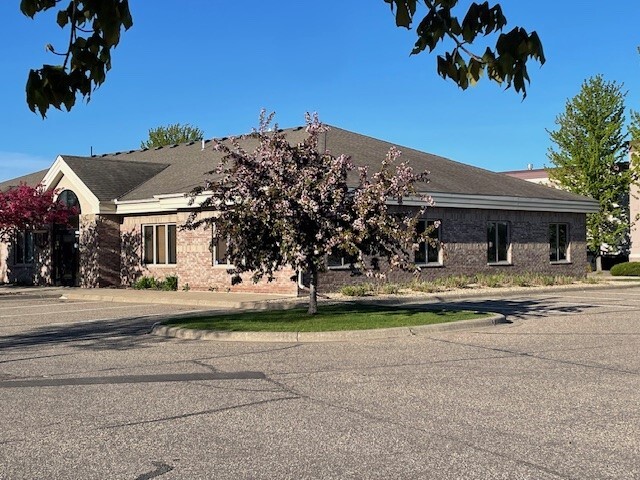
[{"x": 216, "y": 64}]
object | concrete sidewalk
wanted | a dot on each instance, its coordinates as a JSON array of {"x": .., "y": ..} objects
[
  {"x": 249, "y": 301},
  {"x": 257, "y": 301}
]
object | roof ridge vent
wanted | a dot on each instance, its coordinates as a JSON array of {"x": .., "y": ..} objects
[{"x": 298, "y": 129}]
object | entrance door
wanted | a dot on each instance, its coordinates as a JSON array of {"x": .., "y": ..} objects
[
  {"x": 66, "y": 258},
  {"x": 66, "y": 239}
]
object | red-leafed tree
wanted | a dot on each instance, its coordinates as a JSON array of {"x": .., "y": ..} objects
[
  {"x": 282, "y": 205},
  {"x": 30, "y": 208}
]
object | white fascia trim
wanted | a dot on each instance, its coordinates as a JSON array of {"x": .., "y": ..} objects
[
  {"x": 159, "y": 203},
  {"x": 453, "y": 200},
  {"x": 172, "y": 202},
  {"x": 60, "y": 169}
]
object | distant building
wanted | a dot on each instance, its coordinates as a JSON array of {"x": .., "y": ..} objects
[{"x": 539, "y": 175}]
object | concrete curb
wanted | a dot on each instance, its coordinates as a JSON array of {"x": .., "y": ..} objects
[
  {"x": 296, "y": 302},
  {"x": 316, "y": 337},
  {"x": 168, "y": 299}
]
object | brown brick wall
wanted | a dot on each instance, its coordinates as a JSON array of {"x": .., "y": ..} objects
[
  {"x": 37, "y": 273},
  {"x": 193, "y": 260},
  {"x": 99, "y": 251},
  {"x": 464, "y": 237}
]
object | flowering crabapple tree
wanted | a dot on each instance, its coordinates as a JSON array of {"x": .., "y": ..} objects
[
  {"x": 284, "y": 205},
  {"x": 29, "y": 208}
]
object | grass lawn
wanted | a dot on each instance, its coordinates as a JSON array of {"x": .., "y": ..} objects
[{"x": 329, "y": 318}]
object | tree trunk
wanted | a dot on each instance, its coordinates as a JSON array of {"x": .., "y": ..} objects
[
  {"x": 598, "y": 263},
  {"x": 313, "y": 290}
]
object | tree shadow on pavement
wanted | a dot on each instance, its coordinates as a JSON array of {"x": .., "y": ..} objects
[
  {"x": 515, "y": 308},
  {"x": 120, "y": 334},
  {"x": 540, "y": 307}
]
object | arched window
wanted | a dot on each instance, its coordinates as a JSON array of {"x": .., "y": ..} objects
[{"x": 69, "y": 199}]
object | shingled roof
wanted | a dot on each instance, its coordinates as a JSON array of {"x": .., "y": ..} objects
[
  {"x": 31, "y": 179},
  {"x": 177, "y": 169},
  {"x": 188, "y": 164},
  {"x": 109, "y": 179}
]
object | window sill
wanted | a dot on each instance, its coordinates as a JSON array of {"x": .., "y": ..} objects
[
  {"x": 429, "y": 265},
  {"x": 500, "y": 264},
  {"x": 561, "y": 262},
  {"x": 342, "y": 267},
  {"x": 160, "y": 265},
  {"x": 223, "y": 266}
]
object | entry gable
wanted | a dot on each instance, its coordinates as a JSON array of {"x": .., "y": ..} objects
[
  {"x": 100, "y": 180},
  {"x": 62, "y": 177}
]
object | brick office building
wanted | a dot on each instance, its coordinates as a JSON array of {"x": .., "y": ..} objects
[{"x": 132, "y": 205}]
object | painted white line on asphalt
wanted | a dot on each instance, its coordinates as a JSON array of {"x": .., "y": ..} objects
[
  {"x": 47, "y": 305},
  {"x": 73, "y": 311}
]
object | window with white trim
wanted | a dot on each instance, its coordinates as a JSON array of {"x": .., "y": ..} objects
[
  {"x": 219, "y": 255},
  {"x": 498, "y": 243},
  {"x": 558, "y": 242},
  {"x": 429, "y": 252},
  {"x": 340, "y": 259},
  {"x": 159, "y": 244},
  {"x": 23, "y": 251}
]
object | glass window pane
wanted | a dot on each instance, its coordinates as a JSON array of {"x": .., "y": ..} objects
[
  {"x": 433, "y": 246},
  {"x": 19, "y": 256},
  {"x": 172, "y": 243},
  {"x": 421, "y": 254},
  {"x": 563, "y": 241},
  {"x": 553, "y": 242},
  {"x": 491, "y": 242},
  {"x": 161, "y": 245},
  {"x": 147, "y": 233},
  {"x": 221, "y": 251},
  {"x": 28, "y": 247},
  {"x": 503, "y": 242}
]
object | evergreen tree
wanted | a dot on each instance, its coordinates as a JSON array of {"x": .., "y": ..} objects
[{"x": 589, "y": 158}]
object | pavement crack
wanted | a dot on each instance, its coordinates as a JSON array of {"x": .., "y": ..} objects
[
  {"x": 196, "y": 414},
  {"x": 539, "y": 357},
  {"x": 161, "y": 469},
  {"x": 205, "y": 365}
]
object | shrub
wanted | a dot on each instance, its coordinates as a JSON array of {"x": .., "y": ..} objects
[
  {"x": 360, "y": 290},
  {"x": 457, "y": 281},
  {"x": 491, "y": 281},
  {"x": 389, "y": 289},
  {"x": 428, "y": 287},
  {"x": 627, "y": 269},
  {"x": 151, "y": 283},
  {"x": 170, "y": 283},
  {"x": 145, "y": 282}
]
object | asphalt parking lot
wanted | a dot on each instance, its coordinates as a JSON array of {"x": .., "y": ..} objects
[{"x": 86, "y": 393}]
